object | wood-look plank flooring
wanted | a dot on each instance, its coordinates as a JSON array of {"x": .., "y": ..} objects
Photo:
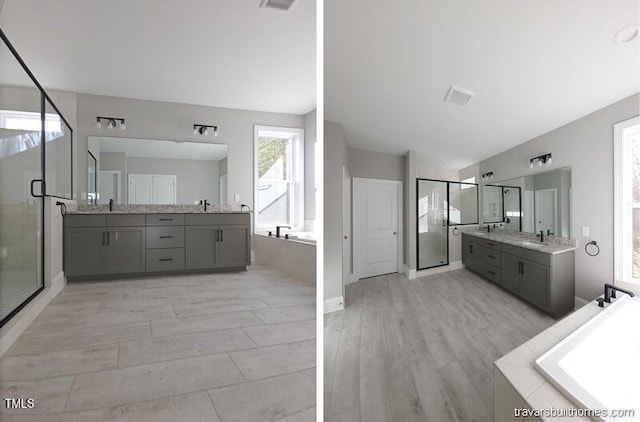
[
  {"x": 422, "y": 349},
  {"x": 211, "y": 347}
]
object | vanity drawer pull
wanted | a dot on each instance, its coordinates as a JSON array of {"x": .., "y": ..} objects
[
  {"x": 491, "y": 272},
  {"x": 166, "y": 219},
  {"x": 491, "y": 244},
  {"x": 165, "y": 259},
  {"x": 166, "y": 237},
  {"x": 491, "y": 256}
]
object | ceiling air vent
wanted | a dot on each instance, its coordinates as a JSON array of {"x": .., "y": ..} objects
[
  {"x": 277, "y": 4},
  {"x": 458, "y": 95}
]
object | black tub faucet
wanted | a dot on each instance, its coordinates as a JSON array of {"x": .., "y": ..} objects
[
  {"x": 541, "y": 236},
  {"x": 610, "y": 292},
  {"x": 111, "y": 203},
  {"x": 205, "y": 203},
  {"x": 281, "y": 227}
]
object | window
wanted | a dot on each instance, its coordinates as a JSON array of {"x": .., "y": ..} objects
[
  {"x": 627, "y": 200},
  {"x": 29, "y": 121},
  {"x": 279, "y": 195}
]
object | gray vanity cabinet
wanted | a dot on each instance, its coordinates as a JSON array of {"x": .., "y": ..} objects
[
  {"x": 95, "y": 251},
  {"x": 125, "y": 251},
  {"x": 217, "y": 246},
  {"x": 201, "y": 244},
  {"x": 234, "y": 248},
  {"x": 84, "y": 251},
  {"x": 542, "y": 279}
]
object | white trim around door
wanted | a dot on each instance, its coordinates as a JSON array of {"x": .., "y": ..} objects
[{"x": 361, "y": 217}]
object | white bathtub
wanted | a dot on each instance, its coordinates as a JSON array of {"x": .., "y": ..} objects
[{"x": 598, "y": 366}]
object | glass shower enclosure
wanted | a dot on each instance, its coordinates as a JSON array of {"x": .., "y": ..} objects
[
  {"x": 440, "y": 204},
  {"x": 35, "y": 161}
]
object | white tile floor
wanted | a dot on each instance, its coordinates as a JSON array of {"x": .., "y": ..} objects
[{"x": 218, "y": 347}]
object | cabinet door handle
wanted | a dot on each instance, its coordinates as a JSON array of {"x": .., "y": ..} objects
[
  {"x": 520, "y": 267},
  {"x": 104, "y": 238},
  {"x": 221, "y": 239},
  {"x": 165, "y": 259},
  {"x": 166, "y": 219},
  {"x": 470, "y": 248},
  {"x": 217, "y": 235},
  {"x": 166, "y": 237}
]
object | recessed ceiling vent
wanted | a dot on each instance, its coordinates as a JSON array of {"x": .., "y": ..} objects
[
  {"x": 458, "y": 95},
  {"x": 277, "y": 4}
]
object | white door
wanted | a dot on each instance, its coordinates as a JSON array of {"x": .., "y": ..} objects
[
  {"x": 346, "y": 228},
  {"x": 140, "y": 189},
  {"x": 164, "y": 190},
  {"x": 376, "y": 212},
  {"x": 546, "y": 215},
  {"x": 109, "y": 187}
]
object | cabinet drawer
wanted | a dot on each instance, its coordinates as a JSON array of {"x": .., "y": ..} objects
[
  {"x": 528, "y": 254},
  {"x": 491, "y": 272},
  {"x": 217, "y": 219},
  {"x": 165, "y": 237},
  {"x": 491, "y": 256},
  {"x": 79, "y": 220},
  {"x": 165, "y": 259},
  {"x": 125, "y": 220},
  {"x": 165, "y": 219}
]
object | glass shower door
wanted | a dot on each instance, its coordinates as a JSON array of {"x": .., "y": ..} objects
[
  {"x": 433, "y": 239},
  {"x": 21, "y": 220}
]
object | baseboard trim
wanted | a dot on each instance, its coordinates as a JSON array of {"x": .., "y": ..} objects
[
  {"x": 410, "y": 274},
  {"x": 333, "y": 304},
  {"x": 57, "y": 284},
  {"x": 455, "y": 265}
]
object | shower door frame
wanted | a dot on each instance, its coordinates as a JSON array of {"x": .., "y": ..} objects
[
  {"x": 44, "y": 97},
  {"x": 448, "y": 220}
]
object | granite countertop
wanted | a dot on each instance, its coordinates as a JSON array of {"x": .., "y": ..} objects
[
  {"x": 153, "y": 209},
  {"x": 518, "y": 366},
  {"x": 552, "y": 245}
]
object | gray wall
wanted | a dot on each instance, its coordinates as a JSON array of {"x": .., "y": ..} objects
[
  {"x": 376, "y": 165},
  {"x": 196, "y": 179},
  {"x": 310, "y": 166},
  {"x": 336, "y": 153},
  {"x": 586, "y": 145},
  {"x": 174, "y": 121}
]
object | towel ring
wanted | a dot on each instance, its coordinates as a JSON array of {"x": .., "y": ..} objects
[
  {"x": 456, "y": 231},
  {"x": 595, "y": 251}
]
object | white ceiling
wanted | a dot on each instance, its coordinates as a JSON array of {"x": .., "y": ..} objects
[
  {"x": 163, "y": 149},
  {"x": 534, "y": 64},
  {"x": 226, "y": 53}
]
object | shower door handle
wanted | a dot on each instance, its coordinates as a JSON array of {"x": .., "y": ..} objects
[
  {"x": 444, "y": 222},
  {"x": 43, "y": 189}
]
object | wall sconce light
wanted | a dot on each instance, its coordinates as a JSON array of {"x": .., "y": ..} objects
[
  {"x": 539, "y": 161},
  {"x": 205, "y": 130},
  {"x": 487, "y": 176},
  {"x": 111, "y": 122}
]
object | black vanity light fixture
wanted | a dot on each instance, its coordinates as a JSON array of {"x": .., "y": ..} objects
[
  {"x": 111, "y": 122},
  {"x": 205, "y": 130},
  {"x": 540, "y": 160},
  {"x": 487, "y": 176}
]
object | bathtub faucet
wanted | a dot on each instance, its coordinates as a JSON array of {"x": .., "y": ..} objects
[
  {"x": 610, "y": 292},
  {"x": 281, "y": 227}
]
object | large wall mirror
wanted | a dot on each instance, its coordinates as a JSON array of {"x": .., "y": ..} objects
[
  {"x": 535, "y": 203},
  {"x": 144, "y": 171}
]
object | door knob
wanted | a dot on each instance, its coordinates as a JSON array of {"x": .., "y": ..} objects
[
  {"x": 346, "y": 237},
  {"x": 395, "y": 233}
]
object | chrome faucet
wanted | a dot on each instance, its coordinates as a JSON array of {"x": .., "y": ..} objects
[{"x": 281, "y": 227}]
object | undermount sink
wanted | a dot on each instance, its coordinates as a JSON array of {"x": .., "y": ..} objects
[{"x": 527, "y": 243}]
